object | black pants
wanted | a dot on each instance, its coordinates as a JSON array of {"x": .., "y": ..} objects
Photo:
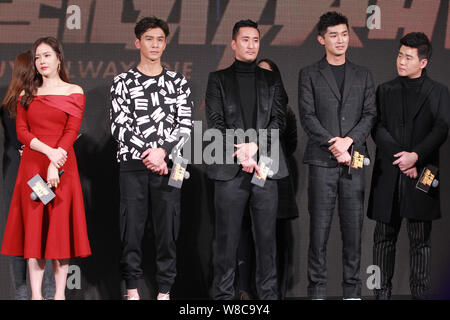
[
  {"x": 231, "y": 198},
  {"x": 385, "y": 239},
  {"x": 246, "y": 253},
  {"x": 246, "y": 257},
  {"x": 139, "y": 191},
  {"x": 325, "y": 185}
]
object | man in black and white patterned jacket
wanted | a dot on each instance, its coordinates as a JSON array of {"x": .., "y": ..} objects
[{"x": 150, "y": 111}]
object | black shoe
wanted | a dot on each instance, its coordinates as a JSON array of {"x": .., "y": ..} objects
[{"x": 383, "y": 295}]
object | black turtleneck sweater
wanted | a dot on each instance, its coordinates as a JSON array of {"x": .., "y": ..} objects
[
  {"x": 246, "y": 80},
  {"x": 410, "y": 95},
  {"x": 412, "y": 90}
]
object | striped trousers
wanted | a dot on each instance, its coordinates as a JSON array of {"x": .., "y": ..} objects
[{"x": 385, "y": 239}]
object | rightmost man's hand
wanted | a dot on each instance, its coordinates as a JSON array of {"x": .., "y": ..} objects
[
  {"x": 411, "y": 172},
  {"x": 57, "y": 157}
]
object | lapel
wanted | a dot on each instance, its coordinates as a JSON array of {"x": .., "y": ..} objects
[
  {"x": 350, "y": 75},
  {"x": 263, "y": 98},
  {"x": 326, "y": 72},
  {"x": 233, "y": 100},
  {"x": 425, "y": 91}
]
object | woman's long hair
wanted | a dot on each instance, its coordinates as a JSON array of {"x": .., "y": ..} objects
[
  {"x": 20, "y": 75},
  {"x": 35, "y": 79}
]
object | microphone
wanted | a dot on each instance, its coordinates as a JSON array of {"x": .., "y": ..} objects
[
  {"x": 358, "y": 161},
  {"x": 34, "y": 196},
  {"x": 41, "y": 191},
  {"x": 186, "y": 176},
  {"x": 435, "y": 183},
  {"x": 428, "y": 179},
  {"x": 178, "y": 172},
  {"x": 265, "y": 167}
]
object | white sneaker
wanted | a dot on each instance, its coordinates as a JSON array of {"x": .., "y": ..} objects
[
  {"x": 135, "y": 297},
  {"x": 351, "y": 299},
  {"x": 163, "y": 296}
]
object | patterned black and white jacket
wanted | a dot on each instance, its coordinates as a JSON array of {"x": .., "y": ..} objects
[{"x": 149, "y": 112}]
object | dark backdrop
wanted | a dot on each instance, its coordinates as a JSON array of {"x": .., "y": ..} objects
[{"x": 199, "y": 43}]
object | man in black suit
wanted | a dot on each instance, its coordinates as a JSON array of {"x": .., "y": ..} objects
[
  {"x": 412, "y": 125},
  {"x": 337, "y": 110},
  {"x": 245, "y": 97}
]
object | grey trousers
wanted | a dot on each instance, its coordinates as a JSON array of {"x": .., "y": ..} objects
[{"x": 326, "y": 185}]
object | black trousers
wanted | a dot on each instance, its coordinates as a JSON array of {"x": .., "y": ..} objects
[
  {"x": 139, "y": 191},
  {"x": 246, "y": 253},
  {"x": 325, "y": 186},
  {"x": 385, "y": 240},
  {"x": 231, "y": 198}
]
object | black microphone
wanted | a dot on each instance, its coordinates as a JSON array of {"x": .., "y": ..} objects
[
  {"x": 359, "y": 160},
  {"x": 428, "y": 179},
  {"x": 33, "y": 194}
]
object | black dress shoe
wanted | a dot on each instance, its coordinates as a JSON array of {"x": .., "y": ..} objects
[{"x": 383, "y": 295}]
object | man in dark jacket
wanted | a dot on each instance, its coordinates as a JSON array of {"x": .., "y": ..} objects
[
  {"x": 245, "y": 97},
  {"x": 337, "y": 110},
  {"x": 412, "y": 125}
]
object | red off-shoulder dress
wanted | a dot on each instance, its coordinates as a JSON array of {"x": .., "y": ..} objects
[{"x": 57, "y": 230}]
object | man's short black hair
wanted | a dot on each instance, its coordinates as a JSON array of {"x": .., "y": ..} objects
[
  {"x": 241, "y": 24},
  {"x": 420, "y": 41},
  {"x": 150, "y": 23},
  {"x": 330, "y": 19}
]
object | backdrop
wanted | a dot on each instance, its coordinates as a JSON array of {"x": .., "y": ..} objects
[{"x": 97, "y": 37}]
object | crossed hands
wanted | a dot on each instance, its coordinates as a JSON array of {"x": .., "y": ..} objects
[
  {"x": 57, "y": 157},
  {"x": 406, "y": 162},
  {"x": 244, "y": 154},
  {"x": 339, "y": 148},
  {"x": 153, "y": 159}
]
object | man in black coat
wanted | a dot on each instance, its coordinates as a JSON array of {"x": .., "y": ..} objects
[
  {"x": 337, "y": 110},
  {"x": 246, "y": 98},
  {"x": 412, "y": 125}
]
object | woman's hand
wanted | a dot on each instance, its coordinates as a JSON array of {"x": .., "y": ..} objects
[
  {"x": 52, "y": 176},
  {"x": 57, "y": 157}
]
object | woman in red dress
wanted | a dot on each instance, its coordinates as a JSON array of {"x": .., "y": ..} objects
[{"x": 49, "y": 116}]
